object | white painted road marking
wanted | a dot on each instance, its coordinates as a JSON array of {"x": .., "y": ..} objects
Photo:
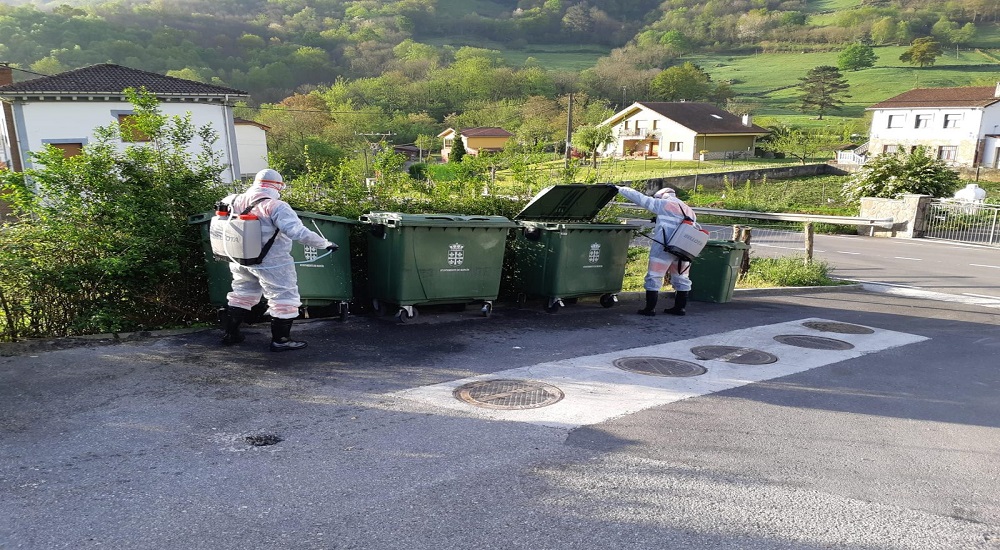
[
  {"x": 990, "y": 266},
  {"x": 845, "y": 252},
  {"x": 596, "y": 391},
  {"x": 905, "y": 258},
  {"x": 897, "y": 290}
]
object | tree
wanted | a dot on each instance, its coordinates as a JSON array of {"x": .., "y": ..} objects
[
  {"x": 823, "y": 90},
  {"x": 591, "y": 138},
  {"x": 923, "y": 52},
  {"x": 856, "y": 56},
  {"x": 457, "y": 149},
  {"x": 890, "y": 175},
  {"x": 425, "y": 142},
  {"x": 800, "y": 143},
  {"x": 682, "y": 82}
]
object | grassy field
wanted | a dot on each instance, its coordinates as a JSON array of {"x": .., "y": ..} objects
[{"x": 557, "y": 58}]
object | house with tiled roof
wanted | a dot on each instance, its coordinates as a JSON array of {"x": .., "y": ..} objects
[
  {"x": 482, "y": 139},
  {"x": 681, "y": 130},
  {"x": 64, "y": 109},
  {"x": 960, "y": 126}
]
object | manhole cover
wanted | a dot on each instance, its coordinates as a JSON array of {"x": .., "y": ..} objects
[
  {"x": 509, "y": 394},
  {"x": 263, "y": 440},
  {"x": 659, "y": 366},
  {"x": 842, "y": 328},
  {"x": 813, "y": 342},
  {"x": 733, "y": 354}
]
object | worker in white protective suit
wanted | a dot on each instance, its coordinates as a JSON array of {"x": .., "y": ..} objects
[
  {"x": 670, "y": 212},
  {"x": 275, "y": 276}
]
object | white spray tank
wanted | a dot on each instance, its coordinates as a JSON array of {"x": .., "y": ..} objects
[
  {"x": 971, "y": 193},
  {"x": 235, "y": 237}
]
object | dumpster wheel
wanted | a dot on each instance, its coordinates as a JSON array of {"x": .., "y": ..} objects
[
  {"x": 553, "y": 305},
  {"x": 344, "y": 311},
  {"x": 609, "y": 300},
  {"x": 406, "y": 313},
  {"x": 487, "y": 309}
]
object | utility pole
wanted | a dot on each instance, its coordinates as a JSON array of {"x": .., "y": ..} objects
[
  {"x": 569, "y": 129},
  {"x": 370, "y": 144}
]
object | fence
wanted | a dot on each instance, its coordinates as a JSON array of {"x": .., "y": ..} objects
[
  {"x": 963, "y": 221},
  {"x": 773, "y": 240}
]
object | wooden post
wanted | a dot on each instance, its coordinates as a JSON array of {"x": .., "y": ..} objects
[
  {"x": 737, "y": 232},
  {"x": 809, "y": 242},
  {"x": 745, "y": 239}
]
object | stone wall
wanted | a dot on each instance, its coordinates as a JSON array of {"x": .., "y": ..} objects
[
  {"x": 908, "y": 213},
  {"x": 717, "y": 180}
]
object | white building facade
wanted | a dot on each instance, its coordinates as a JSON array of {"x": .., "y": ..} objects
[
  {"x": 64, "y": 110},
  {"x": 960, "y": 126}
]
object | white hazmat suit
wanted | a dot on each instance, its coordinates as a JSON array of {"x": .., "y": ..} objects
[
  {"x": 670, "y": 212},
  {"x": 275, "y": 277}
]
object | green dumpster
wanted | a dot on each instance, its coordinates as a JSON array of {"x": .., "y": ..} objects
[
  {"x": 428, "y": 259},
  {"x": 322, "y": 282},
  {"x": 559, "y": 253},
  {"x": 715, "y": 270}
]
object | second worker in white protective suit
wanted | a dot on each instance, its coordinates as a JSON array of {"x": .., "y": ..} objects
[
  {"x": 670, "y": 212},
  {"x": 275, "y": 277}
]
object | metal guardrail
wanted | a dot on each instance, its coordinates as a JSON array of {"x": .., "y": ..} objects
[{"x": 886, "y": 223}]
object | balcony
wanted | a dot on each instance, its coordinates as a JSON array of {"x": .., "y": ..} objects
[{"x": 642, "y": 133}]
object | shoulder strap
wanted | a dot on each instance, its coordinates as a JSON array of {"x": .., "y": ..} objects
[{"x": 254, "y": 203}]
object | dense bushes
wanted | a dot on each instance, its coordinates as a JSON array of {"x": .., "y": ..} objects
[{"x": 102, "y": 242}]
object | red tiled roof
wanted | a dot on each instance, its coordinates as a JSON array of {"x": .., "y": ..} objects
[
  {"x": 485, "y": 131},
  {"x": 969, "y": 96},
  {"x": 108, "y": 79}
]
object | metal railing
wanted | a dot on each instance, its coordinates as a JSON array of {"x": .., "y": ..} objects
[
  {"x": 776, "y": 240},
  {"x": 963, "y": 221}
]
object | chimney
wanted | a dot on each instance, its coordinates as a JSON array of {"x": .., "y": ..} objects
[
  {"x": 747, "y": 120},
  {"x": 7, "y": 77}
]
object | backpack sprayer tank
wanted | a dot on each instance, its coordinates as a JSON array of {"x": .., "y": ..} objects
[{"x": 236, "y": 237}]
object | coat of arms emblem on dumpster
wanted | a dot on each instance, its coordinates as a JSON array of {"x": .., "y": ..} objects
[
  {"x": 595, "y": 253},
  {"x": 456, "y": 254}
]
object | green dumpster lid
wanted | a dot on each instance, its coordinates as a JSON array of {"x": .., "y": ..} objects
[
  {"x": 568, "y": 202},
  {"x": 435, "y": 220}
]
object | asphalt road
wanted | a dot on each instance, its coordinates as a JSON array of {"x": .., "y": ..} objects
[{"x": 882, "y": 435}]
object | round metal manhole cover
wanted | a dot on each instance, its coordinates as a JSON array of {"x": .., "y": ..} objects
[
  {"x": 734, "y": 354},
  {"x": 508, "y": 394},
  {"x": 842, "y": 328},
  {"x": 659, "y": 366},
  {"x": 813, "y": 342}
]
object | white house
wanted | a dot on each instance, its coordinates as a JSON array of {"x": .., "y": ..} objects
[
  {"x": 960, "y": 126},
  {"x": 680, "y": 131},
  {"x": 64, "y": 109},
  {"x": 251, "y": 146}
]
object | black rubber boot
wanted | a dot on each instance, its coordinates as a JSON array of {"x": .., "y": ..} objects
[
  {"x": 680, "y": 302},
  {"x": 233, "y": 319},
  {"x": 651, "y": 297},
  {"x": 280, "y": 341}
]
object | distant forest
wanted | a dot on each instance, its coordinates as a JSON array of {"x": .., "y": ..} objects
[{"x": 273, "y": 48}]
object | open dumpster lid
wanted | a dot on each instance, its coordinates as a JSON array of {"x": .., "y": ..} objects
[{"x": 568, "y": 202}]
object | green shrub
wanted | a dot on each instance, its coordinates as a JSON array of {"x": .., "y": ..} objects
[{"x": 101, "y": 242}]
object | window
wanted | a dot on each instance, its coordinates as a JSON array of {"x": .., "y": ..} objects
[
  {"x": 922, "y": 121},
  {"x": 676, "y": 146},
  {"x": 896, "y": 121},
  {"x": 947, "y": 152},
  {"x": 952, "y": 121},
  {"x": 890, "y": 149},
  {"x": 69, "y": 149},
  {"x": 129, "y": 131}
]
